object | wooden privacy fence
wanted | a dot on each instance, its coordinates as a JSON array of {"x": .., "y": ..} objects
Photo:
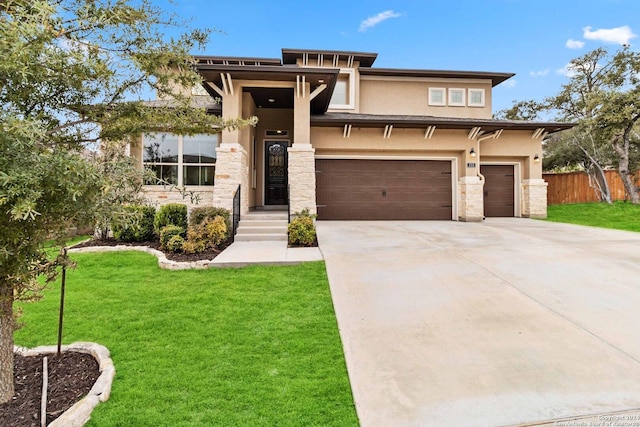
[{"x": 573, "y": 187}]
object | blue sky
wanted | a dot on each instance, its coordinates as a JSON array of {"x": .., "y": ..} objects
[{"x": 533, "y": 38}]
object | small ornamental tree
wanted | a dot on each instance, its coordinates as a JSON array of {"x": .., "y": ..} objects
[{"x": 71, "y": 74}]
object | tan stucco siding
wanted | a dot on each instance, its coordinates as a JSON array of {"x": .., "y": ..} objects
[
  {"x": 403, "y": 142},
  {"x": 515, "y": 146},
  {"x": 411, "y": 97}
]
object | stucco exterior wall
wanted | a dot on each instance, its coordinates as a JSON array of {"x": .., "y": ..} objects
[{"x": 410, "y": 96}]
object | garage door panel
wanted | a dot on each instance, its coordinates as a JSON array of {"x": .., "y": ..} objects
[
  {"x": 383, "y": 189},
  {"x": 499, "y": 186}
]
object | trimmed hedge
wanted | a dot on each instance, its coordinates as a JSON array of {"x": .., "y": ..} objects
[
  {"x": 200, "y": 214},
  {"x": 302, "y": 230},
  {"x": 168, "y": 232},
  {"x": 138, "y": 226},
  {"x": 171, "y": 214}
]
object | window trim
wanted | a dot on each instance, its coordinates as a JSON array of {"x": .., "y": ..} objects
[
  {"x": 180, "y": 164},
  {"x": 482, "y": 95},
  {"x": 351, "y": 91},
  {"x": 453, "y": 90},
  {"x": 442, "y": 90}
]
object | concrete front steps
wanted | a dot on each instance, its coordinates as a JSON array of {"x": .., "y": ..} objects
[{"x": 257, "y": 226}]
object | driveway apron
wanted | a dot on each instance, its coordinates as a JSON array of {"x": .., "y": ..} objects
[{"x": 506, "y": 322}]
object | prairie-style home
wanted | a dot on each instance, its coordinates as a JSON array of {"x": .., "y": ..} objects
[{"x": 347, "y": 140}]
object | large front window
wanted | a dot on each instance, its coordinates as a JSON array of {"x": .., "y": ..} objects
[{"x": 181, "y": 160}]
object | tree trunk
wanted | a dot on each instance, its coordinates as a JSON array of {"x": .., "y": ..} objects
[
  {"x": 7, "y": 326},
  {"x": 621, "y": 147},
  {"x": 596, "y": 173},
  {"x": 598, "y": 181}
]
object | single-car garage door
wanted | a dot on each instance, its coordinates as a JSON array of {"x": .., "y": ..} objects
[
  {"x": 383, "y": 189},
  {"x": 498, "y": 190}
]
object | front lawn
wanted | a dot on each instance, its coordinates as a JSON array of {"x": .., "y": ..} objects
[
  {"x": 620, "y": 215},
  {"x": 256, "y": 346}
]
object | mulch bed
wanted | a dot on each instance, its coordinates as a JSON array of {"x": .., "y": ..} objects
[
  {"x": 155, "y": 244},
  {"x": 71, "y": 376}
]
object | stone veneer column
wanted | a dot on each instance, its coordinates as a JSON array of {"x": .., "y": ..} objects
[
  {"x": 470, "y": 199},
  {"x": 534, "y": 198},
  {"x": 302, "y": 178},
  {"x": 231, "y": 170}
]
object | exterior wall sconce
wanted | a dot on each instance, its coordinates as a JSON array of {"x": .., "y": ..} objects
[
  {"x": 536, "y": 159},
  {"x": 472, "y": 152}
]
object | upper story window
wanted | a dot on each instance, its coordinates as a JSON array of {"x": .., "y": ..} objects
[
  {"x": 456, "y": 97},
  {"x": 181, "y": 160},
  {"x": 476, "y": 97},
  {"x": 437, "y": 96},
  {"x": 344, "y": 92}
]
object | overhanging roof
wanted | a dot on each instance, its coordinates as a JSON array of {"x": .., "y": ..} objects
[
  {"x": 496, "y": 78},
  {"x": 378, "y": 120},
  {"x": 314, "y": 76},
  {"x": 290, "y": 56}
]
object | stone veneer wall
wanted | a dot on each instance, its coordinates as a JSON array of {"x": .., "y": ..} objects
[
  {"x": 231, "y": 170},
  {"x": 470, "y": 199},
  {"x": 159, "y": 195},
  {"x": 302, "y": 178},
  {"x": 534, "y": 198}
]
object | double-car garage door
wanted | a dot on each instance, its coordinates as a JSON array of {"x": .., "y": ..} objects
[
  {"x": 402, "y": 189},
  {"x": 383, "y": 189}
]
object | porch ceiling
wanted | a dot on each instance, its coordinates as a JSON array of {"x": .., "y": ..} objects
[
  {"x": 271, "y": 97},
  {"x": 270, "y": 73}
]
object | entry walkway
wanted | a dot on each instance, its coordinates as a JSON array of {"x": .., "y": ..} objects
[
  {"x": 506, "y": 322},
  {"x": 241, "y": 254}
]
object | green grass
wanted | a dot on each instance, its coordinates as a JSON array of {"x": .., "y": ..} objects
[
  {"x": 257, "y": 346},
  {"x": 620, "y": 215}
]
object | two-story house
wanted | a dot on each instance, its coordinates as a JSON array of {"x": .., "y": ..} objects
[{"x": 347, "y": 140}]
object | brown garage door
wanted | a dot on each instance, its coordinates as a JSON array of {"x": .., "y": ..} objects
[
  {"x": 498, "y": 190},
  {"x": 383, "y": 189}
]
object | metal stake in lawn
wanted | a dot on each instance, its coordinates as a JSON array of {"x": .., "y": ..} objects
[{"x": 64, "y": 278}]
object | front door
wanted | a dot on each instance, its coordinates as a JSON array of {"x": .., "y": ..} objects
[{"x": 275, "y": 184}]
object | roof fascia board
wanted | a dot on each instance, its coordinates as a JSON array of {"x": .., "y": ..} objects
[
  {"x": 496, "y": 78},
  {"x": 422, "y": 79}
]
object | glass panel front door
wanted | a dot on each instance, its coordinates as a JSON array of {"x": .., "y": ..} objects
[{"x": 275, "y": 173}]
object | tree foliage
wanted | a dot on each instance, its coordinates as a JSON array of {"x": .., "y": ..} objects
[
  {"x": 602, "y": 96},
  {"x": 72, "y": 73}
]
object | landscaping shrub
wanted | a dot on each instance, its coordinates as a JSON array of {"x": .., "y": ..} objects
[
  {"x": 137, "y": 226},
  {"x": 175, "y": 243},
  {"x": 167, "y": 232},
  {"x": 302, "y": 230},
  {"x": 201, "y": 213},
  {"x": 207, "y": 235},
  {"x": 171, "y": 214}
]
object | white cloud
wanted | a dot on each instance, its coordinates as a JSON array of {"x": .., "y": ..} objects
[
  {"x": 619, "y": 35},
  {"x": 574, "y": 44},
  {"x": 511, "y": 83},
  {"x": 540, "y": 73},
  {"x": 566, "y": 71},
  {"x": 372, "y": 21}
]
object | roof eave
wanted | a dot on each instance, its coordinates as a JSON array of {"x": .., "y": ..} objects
[
  {"x": 495, "y": 77},
  {"x": 339, "y": 120}
]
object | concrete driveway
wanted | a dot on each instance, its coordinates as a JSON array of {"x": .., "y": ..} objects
[{"x": 507, "y": 322}]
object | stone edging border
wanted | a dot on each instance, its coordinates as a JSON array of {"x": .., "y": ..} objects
[
  {"x": 163, "y": 262},
  {"x": 80, "y": 413}
]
